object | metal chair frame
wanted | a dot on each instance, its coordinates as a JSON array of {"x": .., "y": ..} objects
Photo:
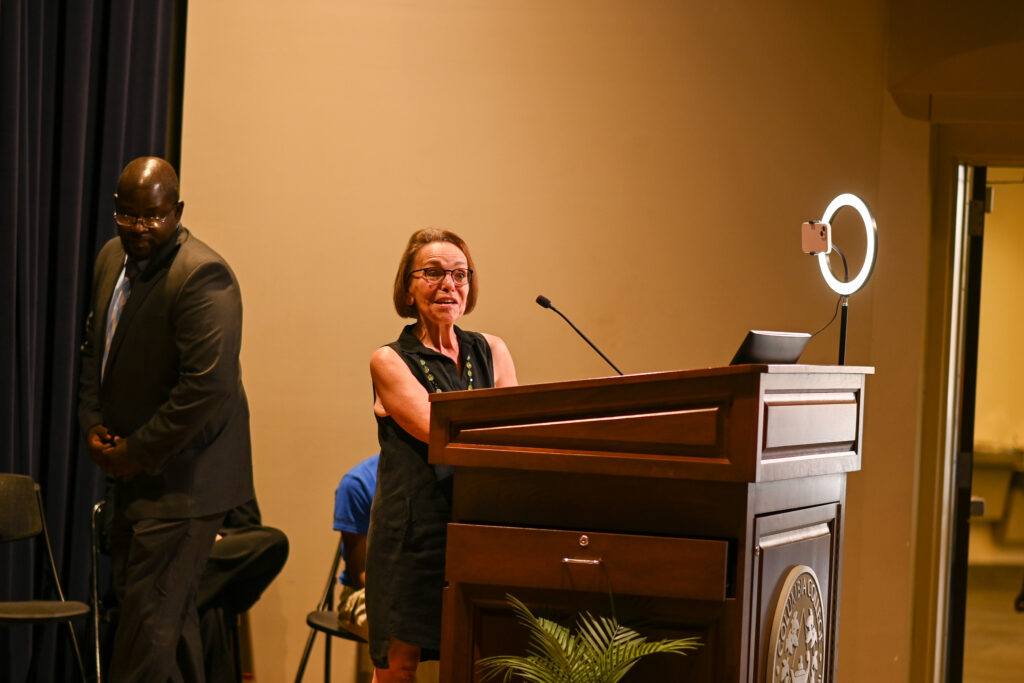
[
  {"x": 98, "y": 612},
  {"x": 324, "y": 619},
  {"x": 20, "y": 520}
]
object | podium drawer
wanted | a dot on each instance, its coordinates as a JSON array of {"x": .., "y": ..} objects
[{"x": 626, "y": 564}]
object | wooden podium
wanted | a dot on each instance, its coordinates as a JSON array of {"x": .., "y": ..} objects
[{"x": 699, "y": 502}]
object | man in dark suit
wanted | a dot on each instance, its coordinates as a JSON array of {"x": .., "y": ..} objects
[{"x": 164, "y": 412}]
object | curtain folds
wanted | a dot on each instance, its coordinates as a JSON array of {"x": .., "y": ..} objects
[{"x": 85, "y": 86}]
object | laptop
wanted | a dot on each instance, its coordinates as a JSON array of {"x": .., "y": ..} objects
[{"x": 763, "y": 346}]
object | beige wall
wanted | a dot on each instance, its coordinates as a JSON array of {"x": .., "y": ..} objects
[
  {"x": 1000, "y": 411},
  {"x": 646, "y": 165}
]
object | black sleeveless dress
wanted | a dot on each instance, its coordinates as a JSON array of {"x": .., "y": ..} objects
[{"x": 412, "y": 507}]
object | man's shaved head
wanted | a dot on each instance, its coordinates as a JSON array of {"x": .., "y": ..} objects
[
  {"x": 147, "y": 206},
  {"x": 152, "y": 173}
]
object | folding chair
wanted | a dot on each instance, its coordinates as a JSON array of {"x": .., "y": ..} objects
[
  {"x": 22, "y": 517},
  {"x": 324, "y": 619}
]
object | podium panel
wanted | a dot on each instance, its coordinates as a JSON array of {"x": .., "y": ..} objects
[{"x": 703, "y": 502}]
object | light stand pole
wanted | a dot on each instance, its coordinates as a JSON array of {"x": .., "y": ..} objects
[{"x": 842, "y": 330}]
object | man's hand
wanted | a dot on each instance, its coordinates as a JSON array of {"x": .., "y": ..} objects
[
  {"x": 119, "y": 464},
  {"x": 98, "y": 439}
]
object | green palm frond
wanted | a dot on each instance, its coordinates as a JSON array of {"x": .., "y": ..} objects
[
  {"x": 601, "y": 651},
  {"x": 549, "y": 641},
  {"x": 533, "y": 669}
]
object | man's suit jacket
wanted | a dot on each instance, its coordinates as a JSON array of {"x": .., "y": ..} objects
[{"x": 173, "y": 383}]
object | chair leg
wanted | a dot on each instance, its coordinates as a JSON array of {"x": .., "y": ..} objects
[
  {"x": 96, "y": 637},
  {"x": 236, "y": 648},
  {"x": 327, "y": 657},
  {"x": 78, "y": 652},
  {"x": 94, "y": 542},
  {"x": 305, "y": 655}
]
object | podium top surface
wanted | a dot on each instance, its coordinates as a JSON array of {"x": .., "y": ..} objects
[{"x": 666, "y": 375}]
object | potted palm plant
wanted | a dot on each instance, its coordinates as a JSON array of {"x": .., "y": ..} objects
[{"x": 601, "y": 650}]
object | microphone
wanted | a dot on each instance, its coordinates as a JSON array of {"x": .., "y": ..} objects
[{"x": 545, "y": 302}]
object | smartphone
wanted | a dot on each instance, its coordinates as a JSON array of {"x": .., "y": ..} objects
[{"x": 817, "y": 237}]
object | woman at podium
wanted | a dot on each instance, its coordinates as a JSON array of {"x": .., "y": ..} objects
[{"x": 435, "y": 286}]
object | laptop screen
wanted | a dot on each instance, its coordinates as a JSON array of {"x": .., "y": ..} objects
[{"x": 763, "y": 346}]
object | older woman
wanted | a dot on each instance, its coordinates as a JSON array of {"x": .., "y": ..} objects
[{"x": 435, "y": 285}]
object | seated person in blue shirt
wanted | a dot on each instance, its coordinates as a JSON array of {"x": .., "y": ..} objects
[{"x": 352, "y": 501}]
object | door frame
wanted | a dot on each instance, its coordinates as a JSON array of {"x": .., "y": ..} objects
[
  {"x": 969, "y": 234},
  {"x": 951, "y": 145}
]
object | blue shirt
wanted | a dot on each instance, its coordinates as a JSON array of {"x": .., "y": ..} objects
[{"x": 352, "y": 500}]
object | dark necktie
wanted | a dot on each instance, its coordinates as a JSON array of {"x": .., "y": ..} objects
[{"x": 120, "y": 297}]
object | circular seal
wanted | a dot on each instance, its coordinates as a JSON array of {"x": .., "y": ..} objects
[{"x": 798, "y": 631}]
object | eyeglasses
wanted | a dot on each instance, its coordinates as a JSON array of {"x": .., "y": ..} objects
[
  {"x": 126, "y": 220},
  {"x": 434, "y": 276}
]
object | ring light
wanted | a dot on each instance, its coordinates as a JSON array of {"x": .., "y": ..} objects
[{"x": 870, "y": 251}]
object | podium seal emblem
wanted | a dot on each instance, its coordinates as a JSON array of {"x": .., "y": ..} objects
[{"x": 798, "y": 631}]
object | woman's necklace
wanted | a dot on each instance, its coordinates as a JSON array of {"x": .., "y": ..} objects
[{"x": 428, "y": 373}]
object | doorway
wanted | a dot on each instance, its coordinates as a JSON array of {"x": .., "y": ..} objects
[{"x": 985, "y": 632}]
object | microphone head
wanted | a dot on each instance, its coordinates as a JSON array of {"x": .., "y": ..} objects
[{"x": 543, "y": 301}]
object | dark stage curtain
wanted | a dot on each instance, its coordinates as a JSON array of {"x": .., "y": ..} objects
[{"x": 85, "y": 86}]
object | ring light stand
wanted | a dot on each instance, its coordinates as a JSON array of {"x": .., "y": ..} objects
[{"x": 845, "y": 289}]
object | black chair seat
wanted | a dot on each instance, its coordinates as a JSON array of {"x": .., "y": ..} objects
[
  {"x": 327, "y": 622},
  {"x": 41, "y": 611}
]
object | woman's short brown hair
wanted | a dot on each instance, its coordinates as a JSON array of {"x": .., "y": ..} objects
[{"x": 420, "y": 239}]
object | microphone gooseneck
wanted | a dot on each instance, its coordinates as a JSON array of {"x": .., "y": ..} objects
[{"x": 545, "y": 302}]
